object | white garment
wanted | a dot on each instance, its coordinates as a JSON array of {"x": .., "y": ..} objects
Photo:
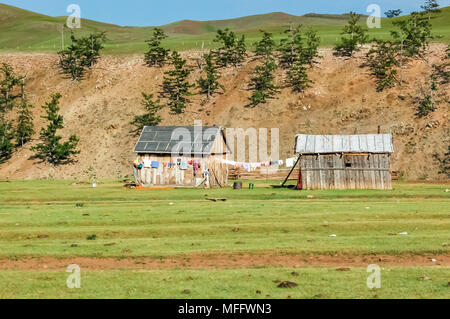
[
  {"x": 290, "y": 162},
  {"x": 147, "y": 163}
]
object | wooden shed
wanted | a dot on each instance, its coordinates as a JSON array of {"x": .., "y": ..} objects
[
  {"x": 182, "y": 156},
  {"x": 343, "y": 161}
]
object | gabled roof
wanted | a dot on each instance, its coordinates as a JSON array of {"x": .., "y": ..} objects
[
  {"x": 193, "y": 140},
  {"x": 323, "y": 144}
]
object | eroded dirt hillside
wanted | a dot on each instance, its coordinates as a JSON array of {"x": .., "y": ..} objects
[{"x": 342, "y": 100}]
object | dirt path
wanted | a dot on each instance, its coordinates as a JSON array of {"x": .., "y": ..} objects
[{"x": 225, "y": 261}]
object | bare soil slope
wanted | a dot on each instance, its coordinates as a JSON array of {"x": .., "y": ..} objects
[{"x": 342, "y": 100}]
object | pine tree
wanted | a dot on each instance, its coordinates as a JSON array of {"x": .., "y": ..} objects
[
  {"x": 6, "y": 145},
  {"x": 25, "y": 127},
  {"x": 265, "y": 47},
  {"x": 240, "y": 52},
  {"x": 298, "y": 77},
  {"x": 430, "y": 7},
  {"x": 176, "y": 87},
  {"x": 414, "y": 34},
  {"x": 291, "y": 47},
  {"x": 356, "y": 36},
  {"x": 10, "y": 91},
  {"x": 311, "y": 49},
  {"x": 393, "y": 13},
  {"x": 82, "y": 54},
  {"x": 262, "y": 83},
  {"x": 231, "y": 51},
  {"x": 150, "y": 118},
  {"x": 427, "y": 103},
  {"x": 209, "y": 85},
  {"x": 297, "y": 54},
  {"x": 382, "y": 59},
  {"x": 156, "y": 55},
  {"x": 444, "y": 162},
  {"x": 50, "y": 149}
]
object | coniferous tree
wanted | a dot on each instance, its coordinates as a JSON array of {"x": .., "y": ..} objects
[
  {"x": 291, "y": 47},
  {"x": 50, "y": 149},
  {"x": 209, "y": 84},
  {"x": 6, "y": 144},
  {"x": 262, "y": 83},
  {"x": 82, "y": 54},
  {"x": 441, "y": 71},
  {"x": 240, "y": 51},
  {"x": 414, "y": 34},
  {"x": 382, "y": 60},
  {"x": 298, "y": 77},
  {"x": 176, "y": 87},
  {"x": 311, "y": 49},
  {"x": 297, "y": 54},
  {"x": 156, "y": 55},
  {"x": 10, "y": 92},
  {"x": 430, "y": 7},
  {"x": 232, "y": 51},
  {"x": 151, "y": 117},
  {"x": 265, "y": 47},
  {"x": 25, "y": 127},
  {"x": 393, "y": 13},
  {"x": 356, "y": 35},
  {"x": 427, "y": 103},
  {"x": 444, "y": 162}
]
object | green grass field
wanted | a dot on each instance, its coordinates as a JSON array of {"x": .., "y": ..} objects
[
  {"x": 26, "y": 31},
  {"x": 40, "y": 219}
]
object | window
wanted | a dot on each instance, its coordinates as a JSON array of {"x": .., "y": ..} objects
[{"x": 348, "y": 164}]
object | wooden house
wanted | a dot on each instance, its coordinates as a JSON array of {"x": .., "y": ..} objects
[
  {"x": 182, "y": 156},
  {"x": 343, "y": 161}
]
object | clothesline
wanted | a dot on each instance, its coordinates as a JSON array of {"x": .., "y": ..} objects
[{"x": 289, "y": 162}]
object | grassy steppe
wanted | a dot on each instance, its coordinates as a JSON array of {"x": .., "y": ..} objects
[
  {"x": 165, "y": 223},
  {"x": 26, "y": 31}
]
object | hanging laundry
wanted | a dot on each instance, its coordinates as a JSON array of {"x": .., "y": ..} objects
[
  {"x": 290, "y": 162},
  {"x": 184, "y": 165},
  {"x": 165, "y": 164},
  {"x": 196, "y": 166},
  {"x": 155, "y": 164},
  {"x": 147, "y": 163}
]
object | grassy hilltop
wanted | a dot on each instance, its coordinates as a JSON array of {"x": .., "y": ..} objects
[{"x": 22, "y": 30}]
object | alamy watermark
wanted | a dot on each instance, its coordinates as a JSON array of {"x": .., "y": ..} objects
[
  {"x": 74, "y": 19},
  {"x": 374, "y": 19},
  {"x": 374, "y": 279},
  {"x": 203, "y": 140},
  {"x": 74, "y": 279}
]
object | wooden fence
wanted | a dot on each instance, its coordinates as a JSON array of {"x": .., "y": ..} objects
[
  {"x": 270, "y": 173},
  {"x": 264, "y": 173}
]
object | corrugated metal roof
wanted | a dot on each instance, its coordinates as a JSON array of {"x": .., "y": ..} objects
[
  {"x": 319, "y": 144},
  {"x": 181, "y": 139}
]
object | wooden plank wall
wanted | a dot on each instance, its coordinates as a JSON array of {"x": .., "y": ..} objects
[
  {"x": 174, "y": 176},
  {"x": 346, "y": 171}
]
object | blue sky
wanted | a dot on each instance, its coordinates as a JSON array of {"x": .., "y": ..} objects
[{"x": 159, "y": 12}]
